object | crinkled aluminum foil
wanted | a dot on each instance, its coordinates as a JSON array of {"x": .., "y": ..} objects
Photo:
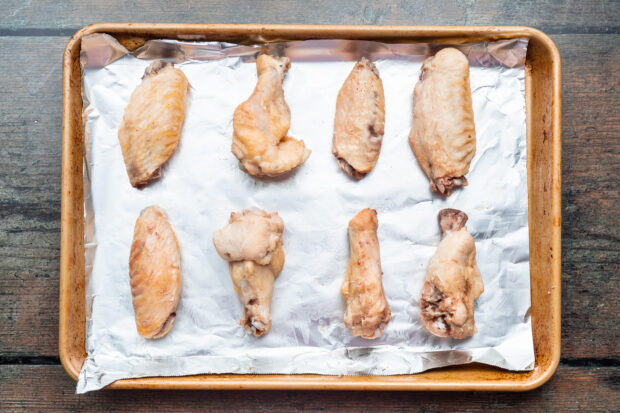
[{"x": 202, "y": 184}]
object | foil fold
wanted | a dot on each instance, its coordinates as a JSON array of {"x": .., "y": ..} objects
[{"x": 202, "y": 184}]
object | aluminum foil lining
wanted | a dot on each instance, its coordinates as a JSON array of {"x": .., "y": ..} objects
[{"x": 202, "y": 184}]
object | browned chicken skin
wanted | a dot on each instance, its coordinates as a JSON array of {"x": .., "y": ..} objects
[
  {"x": 443, "y": 134},
  {"x": 152, "y": 122},
  {"x": 359, "y": 121},
  {"x": 453, "y": 281},
  {"x": 154, "y": 273},
  {"x": 261, "y": 123},
  {"x": 252, "y": 244},
  {"x": 368, "y": 312}
]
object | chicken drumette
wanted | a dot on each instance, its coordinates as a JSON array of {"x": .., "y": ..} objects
[
  {"x": 252, "y": 244},
  {"x": 443, "y": 134},
  {"x": 152, "y": 122},
  {"x": 368, "y": 312},
  {"x": 359, "y": 121},
  {"x": 453, "y": 281},
  {"x": 260, "y": 124}
]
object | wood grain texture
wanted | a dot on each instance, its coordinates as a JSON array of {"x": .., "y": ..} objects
[
  {"x": 47, "y": 388},
  {"x": 47, "y": 17},
  {"x": 30, "y": 193},
  {"x": 591, "y": 199},
  {"x": 30, "y": 199}
]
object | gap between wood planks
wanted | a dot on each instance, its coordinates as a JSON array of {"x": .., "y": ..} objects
[{"x": 61, "y": 32}]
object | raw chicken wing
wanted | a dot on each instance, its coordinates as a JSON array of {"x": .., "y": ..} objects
[
  {"x": 443, "y": 135},
  {"x": 260, "y": 124},
  {"x": 359, "y": 122},
  {"x": 368, "y": 312},
  {"x": 453, "y": 281},
  {"x": 154, "y": 273},
  {"x": 152, "y": 122},
  {"x": 252, "y": 244}
]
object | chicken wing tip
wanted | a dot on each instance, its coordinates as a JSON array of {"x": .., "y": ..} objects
[
  {"x": 156, "y": 67},
  {"x": 350, "y": 170},
  {"x": 364, "y": 61},
  {"x": 283, "y": 62},
  {"x": 445, "y": 186},
  {"x": 166, "y": 327}
]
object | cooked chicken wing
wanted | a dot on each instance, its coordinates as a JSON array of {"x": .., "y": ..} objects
[
  {"x": 154, "y": 273},
  {"x": 453, "y": 281},
  {"x": 368, "y": 312},
  {"x": 260, "y": 124},
  {"x": 252, "y": 244},
  {"x": 359, "y": 122},
  {"x": 152, "y": 122},
  {"x": 443, "y": 135}
]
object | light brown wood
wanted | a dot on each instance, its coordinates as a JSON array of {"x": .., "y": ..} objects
[
  {"x": 72, "y": 296},
  {"x": 544, "y": 152},
  {"x": 543, "y": 105}
]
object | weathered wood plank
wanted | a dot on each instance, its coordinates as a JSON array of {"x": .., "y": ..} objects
[
  {"x": 49, "y": 389},
  {"x": 30, "y": 194},
  {"x": 587, "y": 16},
  {"x": 30, "y": 105},
  {"x": 590, "y": 195}
]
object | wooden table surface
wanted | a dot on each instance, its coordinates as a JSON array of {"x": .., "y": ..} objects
[{"x": 32, "y": 37}]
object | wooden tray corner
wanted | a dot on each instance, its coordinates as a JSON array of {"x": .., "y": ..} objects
[{"x": 543, "y": 124}]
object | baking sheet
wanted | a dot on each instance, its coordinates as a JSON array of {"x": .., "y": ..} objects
[{"x": 202, "y": 184}]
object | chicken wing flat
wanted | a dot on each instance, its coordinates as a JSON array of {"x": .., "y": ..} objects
[
  {"x": 252, "y": 244},
  {"x": 260, "y": 124},
  {"x": 443, "y": 135},
  {"x": 368, "y": 312},
  {"x": 152, "y": 122},
  {"x": 360, "y": 120},
  {"x": 453, "y": 281},
  {"x": 154, "y": 273}
]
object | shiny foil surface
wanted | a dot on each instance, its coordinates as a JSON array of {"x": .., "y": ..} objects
[{"x": 202, "y": 183}]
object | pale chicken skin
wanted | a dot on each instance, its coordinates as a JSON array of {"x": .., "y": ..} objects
[
  {"x": 453, "y": 281},
  {"x": 154, "y": 273},
  {"x": 443, "y": 134},
  {"x": 252, "y": 244},
  {"x": 152, "y": 122},
  {"x": 261, "y": 123},
  {"x": 368, "y": 312},
  {"x": 360, "y": 120}
]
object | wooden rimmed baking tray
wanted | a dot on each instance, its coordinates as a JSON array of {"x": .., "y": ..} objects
[{"x": 543, "y": 118}]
